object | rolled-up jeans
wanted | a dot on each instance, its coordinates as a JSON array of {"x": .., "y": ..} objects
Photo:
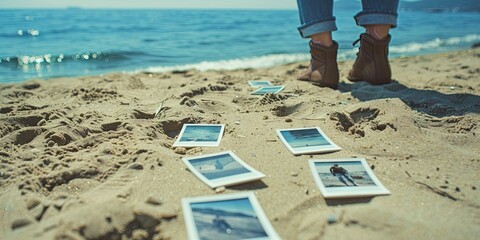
[{"x": 316, "y": 16}]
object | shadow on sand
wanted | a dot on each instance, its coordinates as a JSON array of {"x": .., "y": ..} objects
[
  {"x": 256, "y": 185},
  {"x": 431, "y": 102},
  {"x": 345, "y": 201}
]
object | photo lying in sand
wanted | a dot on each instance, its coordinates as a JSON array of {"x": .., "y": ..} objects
[
  {"x": 200, "y": 135},
  {"x": 259, "y": 83},
  {"x": 228, "y": 216},
  {"x": 346, "y": 178},
  {"x": 268, "y": 89},
  {"x": 306, "y": 140},
  {"x": 221, "y": 169}
]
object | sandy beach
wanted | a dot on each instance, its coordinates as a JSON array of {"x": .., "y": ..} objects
[{"x": 86, "y": 158}]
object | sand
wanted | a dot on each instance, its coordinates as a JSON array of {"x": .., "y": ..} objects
[{"x": 85, "y": 158}]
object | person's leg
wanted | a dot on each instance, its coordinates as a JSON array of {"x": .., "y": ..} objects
[
  {"x": 378, "y": 17},
  {"x": 372, "y": 64},
  {"x": 378, "y": 31},
  {"x": 317, "y": 23},
  {"x": 340, "y": 178},
  {"x": 324, "y": 38},
  {"x": 350, "y": 179},
  {"x": 316, "y": 16},
  {"x": 376, "y": 12}
]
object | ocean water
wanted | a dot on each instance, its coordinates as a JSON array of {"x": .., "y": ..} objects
[{"x": 75, "y": 42}]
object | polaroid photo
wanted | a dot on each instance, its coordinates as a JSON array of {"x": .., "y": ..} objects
[
  {"x": 267, "y": 89},
  {"x": 221, "y": 169},
  {"x": 200, "y": 135},
  {"x": 259, "y": 83},
  {"x": 226, "y": 216},
  {"x": 306, "y": 140},
  {"x": 345, "y": 178}
]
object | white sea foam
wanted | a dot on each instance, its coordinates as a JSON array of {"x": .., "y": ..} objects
[
  {"x": 436, "y": 44},
  {"x": 253, "y": 62}
]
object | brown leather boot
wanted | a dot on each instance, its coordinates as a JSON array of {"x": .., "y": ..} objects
[
  {"x": 372, "y": 61},
  {"x": 323, "y": 69}
]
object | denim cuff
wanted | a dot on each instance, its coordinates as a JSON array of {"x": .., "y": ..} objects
[
  {"x": 376, "y": 18},
  {"x": 319, "y": 27}
]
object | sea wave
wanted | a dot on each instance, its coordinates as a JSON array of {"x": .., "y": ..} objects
[
  {"x": 433, "y": 44},
  {"x": 270, "y": 60},
  {"x": 22, "y": 60},
  {"x": 240, "y": 63}
]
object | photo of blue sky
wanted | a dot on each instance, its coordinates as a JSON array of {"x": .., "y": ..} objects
[
  {"x": 194, "y": 133},
  {"x": 354, "y": 166},
  {"x": 218, "y": 166},
  {"x": 304, "y": 138}
]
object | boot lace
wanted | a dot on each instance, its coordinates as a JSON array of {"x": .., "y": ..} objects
[{"x": 356, "y": 41}]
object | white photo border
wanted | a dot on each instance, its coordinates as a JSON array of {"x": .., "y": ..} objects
[
  {"x": 280, "y": 88},
  {"x": 250, "y": 176},
  {"x": 179, "y": 143},
  {"x": 332, "y": 147},
  {"x": 262, "y": 217},
  {"x": 348, "y": 192}
]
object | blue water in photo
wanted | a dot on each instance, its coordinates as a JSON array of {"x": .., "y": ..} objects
[
  {"x": 304, "y": 138},
  {"x": 267, "y": 89},
  {"x": 76, "y": 42},
  {"x": 228, "y": 219},
  {"x": 201, "y": 134}
]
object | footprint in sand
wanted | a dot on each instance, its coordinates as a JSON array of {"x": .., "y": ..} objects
[
  {"x": 116, "y": 186},
  {"x": 358, "y": 120}
]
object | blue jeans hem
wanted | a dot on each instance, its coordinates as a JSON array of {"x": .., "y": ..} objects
[
  {"x": 310, "y": 29},
  {"x": 376, "y": 18}
]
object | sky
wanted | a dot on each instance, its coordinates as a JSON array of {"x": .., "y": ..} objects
[
  {"x": 129, "y": 4},
  {"x": 350, "y": 166}
]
